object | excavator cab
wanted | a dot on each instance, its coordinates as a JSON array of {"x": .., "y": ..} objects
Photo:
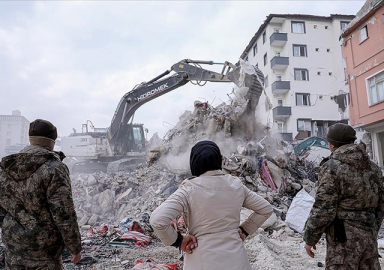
[{"x": 132, "y": 140}]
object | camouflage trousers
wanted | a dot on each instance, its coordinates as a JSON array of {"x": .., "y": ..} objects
[
  {"x": 34, "y": 265},
  {"x": 359, "y": 252}
]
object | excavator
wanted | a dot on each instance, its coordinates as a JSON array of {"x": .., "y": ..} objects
[{"x": 121, "y": 147}]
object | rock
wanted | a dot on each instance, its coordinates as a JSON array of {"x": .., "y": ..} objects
[
  {"x": 280, "y": 159},
  {"x": 262, "y": 188},
  {"x": 280, "y": 225},
  {"x": 296, "y": 186},
  {"x": 277, "y": 173},
  {"x": 244, "y": 214},
  {"x": 105, "y": 200},
  {"x": 91, "y": 180},
  {"x": 83, "y": 221},
  {"x": 289, "y": 231},
  {"x": 278, "y": 212},
  {"x": 248, "y": 179},
  {"x": 92, "y": 221},
  {"x": 241, "y": 150},
  {"x": 269, "y": 222}
]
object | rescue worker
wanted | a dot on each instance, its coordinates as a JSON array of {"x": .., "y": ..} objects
[
  {"x": 349, "y": 204},
  {"x": 39, "y": 217},
  {"x": 211, "y": 202}
]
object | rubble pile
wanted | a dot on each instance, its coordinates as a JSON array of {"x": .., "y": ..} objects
[
  {"x": 109, "y": 198},
  {"x": 265, "y": 165}
]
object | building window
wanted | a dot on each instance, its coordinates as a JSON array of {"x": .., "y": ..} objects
[
  {"x": 303, "y": 99},
  {"x": 298, "y": 27},
  {"x": 300, "y": 50},
  {"x": 280, "y": 127},
  {"x": 278, "y": 78},
  {"x": 255, "y": 50},
  {"x": 9, "y": 126},
  {"x": 279, "y": 102},
  {"x": 343, "y": 25},
  {"x": 303, "y": 125},
  {"x": 363, "y": 33},
  {"x": 8, "y": 142},
  {"x": 301, "y": 74},
  {"x": 8, "y": 133},
  {"x": 264, "y": 37},
  {"x": 376, "y": 88},
  {"x": 265, "y": 59},
  {"x": 266, "y": 81}
]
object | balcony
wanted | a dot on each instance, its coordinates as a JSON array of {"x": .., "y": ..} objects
[
  {"x": 279, "y": 62},
  {"x": 286, "y": 136},
  {"x": 281, "y": 87},
  {"x": 281, "y": 112},
  {"x": 278, "y": 39}
]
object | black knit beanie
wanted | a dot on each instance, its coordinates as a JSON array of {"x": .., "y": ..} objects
[
  {"x": 42, "y": 128},
  {"x": 205, "y": 156},
  {"x": 340, "y": 134}
]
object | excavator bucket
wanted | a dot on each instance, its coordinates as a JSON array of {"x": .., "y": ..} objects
[{"x": 246, "y": 75}]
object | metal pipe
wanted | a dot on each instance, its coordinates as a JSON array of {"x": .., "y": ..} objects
[{"x": 160, "y": 76}]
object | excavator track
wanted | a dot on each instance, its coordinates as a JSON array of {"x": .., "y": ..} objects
[{"x": 125, "y": 164}]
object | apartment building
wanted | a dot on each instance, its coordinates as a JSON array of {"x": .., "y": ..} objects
[
  {"x": 363, "y": 51},
  {"x": 306, "y": 89},
  {"x": 13, "y": 133}
]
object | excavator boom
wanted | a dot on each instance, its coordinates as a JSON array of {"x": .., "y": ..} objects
[
  {"x": 185, "y": 71},
  {"x": 122, "y": 145}
]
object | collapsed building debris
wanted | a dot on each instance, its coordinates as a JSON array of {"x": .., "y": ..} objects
[
  {"x": 114, "y": 209},
  {"x": 106, "y": 203}
]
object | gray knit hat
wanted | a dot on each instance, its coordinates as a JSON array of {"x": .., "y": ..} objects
[{"x": 340, "y": 134}]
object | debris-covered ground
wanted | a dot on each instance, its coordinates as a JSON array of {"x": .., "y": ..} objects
[
  {"x": 265, "y": 164},
  {"x": 114, "y": 209}
]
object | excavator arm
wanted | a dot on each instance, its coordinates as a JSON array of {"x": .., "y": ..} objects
[
  {"x": 185, "y": 71},
  {"x": 309, "y": 142}
]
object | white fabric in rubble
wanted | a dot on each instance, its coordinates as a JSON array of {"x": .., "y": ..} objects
[{"x": 299, "y": 211}]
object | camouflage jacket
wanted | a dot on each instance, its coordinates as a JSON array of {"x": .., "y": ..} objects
[
  {"x": 36, "y": 198},
  {"x": 351, "y": 188}
]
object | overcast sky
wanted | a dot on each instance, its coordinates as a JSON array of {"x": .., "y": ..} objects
[{"x": 70, "y": 61}]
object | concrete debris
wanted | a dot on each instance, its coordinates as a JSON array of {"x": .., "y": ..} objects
[
  {"x": 108, "y": 204},
  {"x": 266, "y": 165}
]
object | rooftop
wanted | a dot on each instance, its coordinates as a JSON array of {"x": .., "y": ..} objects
[
  {"x": 369, "y": 7},
  {"x": 292, "y": 16}
]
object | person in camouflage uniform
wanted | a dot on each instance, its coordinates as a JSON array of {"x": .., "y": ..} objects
[
  {"x": 39, "y": 217},
  {"x": 349, "y": 204}
]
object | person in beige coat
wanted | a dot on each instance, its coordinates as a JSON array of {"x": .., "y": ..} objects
[{"x": 210, "y": 203}]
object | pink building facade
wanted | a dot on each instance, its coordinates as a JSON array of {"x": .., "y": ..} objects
[{"x": 363, "y": 52}]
